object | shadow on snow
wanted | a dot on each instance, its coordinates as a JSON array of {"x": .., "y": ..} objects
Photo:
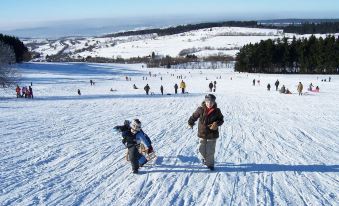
[
  {"x": 84, "y": 69},
  {"x": 195, "y": 166}
]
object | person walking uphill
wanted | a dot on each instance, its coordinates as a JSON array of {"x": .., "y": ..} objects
[{"x": 210, "y": 118}]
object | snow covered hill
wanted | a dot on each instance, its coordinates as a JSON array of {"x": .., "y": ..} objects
[
  {"x": 202, "y": 43},
  {"x": 211, "y": 41},
  {"x": 60, "y": 149}
]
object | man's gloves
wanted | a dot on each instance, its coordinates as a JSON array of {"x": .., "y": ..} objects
[
  {"x": 150, "y": 150},
  {"x": 213, "y": 126}
]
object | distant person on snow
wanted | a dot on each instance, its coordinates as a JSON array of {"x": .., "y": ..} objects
[
  {"x": 215, "y": 86},
  {"x": 28, "y": 94},
  {"x": 253, "y": 82},
  {"x": 276, "y": 85},
  {"x": 18, "y": 91},
  {"x": 300, "y": 88},
  {"x": 162, "y": 90},
  {"x": 282, "y": 89},
  {"x": 134, "y": 86},
  {"x": 317, "y": 89},
  {"x": 24, "y": 91},
  {"x": 182, "y": 86},
  {"x": 147, "y": 88},
  {"x": 210, "y": 118},
  {"x": 176, "y": 88},
  {"x": 30, "y": 91},
  {"x": 210, "y": 86},
  {"x": 132, "y": 139},
  {"x": 79, "y": 93},
  {"x": 268, "y": 87}
]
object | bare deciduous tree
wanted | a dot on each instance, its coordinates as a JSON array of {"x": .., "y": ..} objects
[{"x": 8, "y": 74}]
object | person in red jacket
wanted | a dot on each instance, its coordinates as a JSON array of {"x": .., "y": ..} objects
[
  {"x": 210, "y": 118},
  {"x": 18, "y": 91}
]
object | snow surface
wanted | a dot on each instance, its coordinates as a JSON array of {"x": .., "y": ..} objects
[
  {"x": 60, "y": 149},
  {"x": 209, "y": 41},
  {"x": 217, "y": 38}
]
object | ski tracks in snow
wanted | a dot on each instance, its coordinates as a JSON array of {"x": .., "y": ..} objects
[{"x": 272, "y": 150}]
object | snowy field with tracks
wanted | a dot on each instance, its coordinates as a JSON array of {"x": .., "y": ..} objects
[{"x": 60, "y": 148}]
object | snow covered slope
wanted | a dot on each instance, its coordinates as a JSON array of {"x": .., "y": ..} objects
[
  {"x": 212, "y": 40},
  {"x": 274, "y": 149}
]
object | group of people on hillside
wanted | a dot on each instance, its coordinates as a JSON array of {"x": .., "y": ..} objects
[
  {"x": 147, "y": 88},
  {"x": 310, "y": 88},
  {"x": 324, "y": 80},
  {"x": 300, "y": 87},
  {"x": 210, "y": 119},
  {"x": 284, "y": 90},
  {"x": 24, "y": 92}
]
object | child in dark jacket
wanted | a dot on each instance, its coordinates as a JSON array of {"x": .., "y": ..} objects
[{"x": 132, "y": 137}]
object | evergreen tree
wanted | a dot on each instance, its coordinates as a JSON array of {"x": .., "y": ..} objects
[
  {"x": 307, "y": 55},
  {"x": 7, "y": 72},
  {"x": 20, "y": 50}
]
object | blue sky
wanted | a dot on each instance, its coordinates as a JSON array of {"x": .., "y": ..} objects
[{"x": 25, "y": 12}]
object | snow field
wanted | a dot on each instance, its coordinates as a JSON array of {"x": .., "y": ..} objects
[{"x": 274, "y": 149}]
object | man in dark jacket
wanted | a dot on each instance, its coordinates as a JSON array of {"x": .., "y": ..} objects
[
  {"x": 147, "y": 88},
  {"x": 268, "y": 87},
  {"x": 176, "y": 88},
  {"x": 276, "y": 85},
  {"x": 162, "y": 90},
  {"x": 210, "y": 118},
  {"x": 210, "y": 86},
  {"x": 30, "y": 91}
]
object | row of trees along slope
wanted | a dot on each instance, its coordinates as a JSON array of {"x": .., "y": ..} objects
[
  {"x": 12, "y": 50},
  {"x": 306, "y": 56},
  {"x": 185, "y": 28},
  {"x": 307, "y": 27},
  {"x": 311, "y": 27}
]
